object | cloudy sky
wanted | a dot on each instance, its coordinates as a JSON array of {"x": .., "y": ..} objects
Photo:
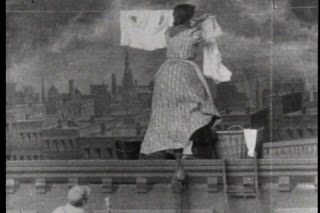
[{"x": 80, "y": 39}]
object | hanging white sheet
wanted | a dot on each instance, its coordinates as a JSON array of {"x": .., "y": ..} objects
[
  {"x": 212, "y": 62},
  {"x": 145, "y": 29}
]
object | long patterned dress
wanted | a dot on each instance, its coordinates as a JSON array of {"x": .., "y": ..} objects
[{"x": 181, "y": 102}]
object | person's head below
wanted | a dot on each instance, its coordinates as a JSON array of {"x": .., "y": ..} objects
[
  {"x": 78, "y": 195},
  {"x": 183, "y": 13}
]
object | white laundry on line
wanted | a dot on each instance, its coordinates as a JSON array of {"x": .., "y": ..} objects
[
  {"x": 145, "y": 29},
  {"x": 250, "y": 136},
  {"x": 212, "y": 62}
]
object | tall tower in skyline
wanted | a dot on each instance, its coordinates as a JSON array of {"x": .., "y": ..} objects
[
  {"x": 127, "y": 81},
  {"x": 258, "y": 99},
  {"x": 113, "y": 85},
  {"x": 43, "y": 99}
]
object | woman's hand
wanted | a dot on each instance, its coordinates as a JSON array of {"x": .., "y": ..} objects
[
  {"x": 200, "y": 19},
  {"x": 203, "y": 17}
]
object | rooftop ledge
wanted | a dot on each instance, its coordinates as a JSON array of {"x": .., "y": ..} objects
[{"x": 285, "y": 173}]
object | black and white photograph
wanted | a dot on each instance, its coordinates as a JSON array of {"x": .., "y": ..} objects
[{"x": 161, "y": 106}]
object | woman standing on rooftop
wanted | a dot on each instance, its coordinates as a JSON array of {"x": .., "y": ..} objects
[{"x": 182, "y": 102}]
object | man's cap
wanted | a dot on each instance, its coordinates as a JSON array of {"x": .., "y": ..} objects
[{"x": 76, "y": 193}]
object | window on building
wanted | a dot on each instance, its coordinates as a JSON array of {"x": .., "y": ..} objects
[
  {"x": 63, "y": 145},
  {"x": 290, "y": 133},
  {"x": 300, "y": 132},
  {"x": 47, "y": 144},
  {"x": 310, "y": 131},
  {"x": 108, "y": 153},
  {"x": 35, "y": 157},
  {"x": 87, "y": 153},
  {"x": 97, "y": 153},
  {"x": 71, "y": 144},
  {"x": 55, "y": 145}
]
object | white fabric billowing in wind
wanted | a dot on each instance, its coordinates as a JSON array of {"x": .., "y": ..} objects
[
  {"x": 145, "y": 29},
  {"x": 250, "y": 136},
  {"x": 212, "y": 62},
  {"x": 188, "y": 149}
]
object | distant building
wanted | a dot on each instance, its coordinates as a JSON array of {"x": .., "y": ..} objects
[
  {"x": 24, "y": 139},
  {"x": 300, "y": 124},
  {"x": 292, "y": 124},
  {"x": 31, "y": 97},
  {"x": 292, "y": 102},
  {"x": 283, "y": 88},
  {"x": 114, "y": 87},
  {"x": 27, "y": 111},
  {"x": 144, "y": 95},
  {"x": 244, "y": 117},
  {"x": 79, "y": 109},
  {"x": 227, "y": 96},
  {"x": 54, "y": 101},
  {"x": 102, "y": 99},
  {"x": 61, "y": 142},
  {"x": 70, "y": 106},
  {"x": 10, "y": 94},
  {"x": 26, "y": 96},
  {"x": 112, "y": 142}
]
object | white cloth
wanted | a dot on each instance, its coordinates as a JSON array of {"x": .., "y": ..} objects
[
  {"x": 145, "y": 29},
  {"x": 250, "y": 136},
  {"x": 212, "y": 65},
  {"x": 188, "y": 149}
]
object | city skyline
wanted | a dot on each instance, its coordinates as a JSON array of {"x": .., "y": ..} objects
[{"x": 85, "y": 46}]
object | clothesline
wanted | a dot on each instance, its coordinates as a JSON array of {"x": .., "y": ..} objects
[
  {"x": 124, "y": 4},
  {"x": 145, "y": 29}
]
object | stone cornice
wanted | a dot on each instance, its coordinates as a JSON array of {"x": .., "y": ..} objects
[
  {"x": 157, "y": 168},
  {"x": 241, "y": 174}
]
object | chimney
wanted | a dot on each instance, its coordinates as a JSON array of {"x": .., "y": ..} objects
[
  {"x": 304, "y": 110},
  {"x": 59, "y": 123},
  {"x": 228, "y": 111},
  {"x": 258, "y": 97},
  {"x": 43, "y": 99},
  {"x": 114, "y": 85},
  {"x": 103, "y": 129},
  {"x": 92, "y": 119},
  {"x": 138, "y": 129},
  {"x": 71, "y": 88},
  {"x": 248, "y": 110}
]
